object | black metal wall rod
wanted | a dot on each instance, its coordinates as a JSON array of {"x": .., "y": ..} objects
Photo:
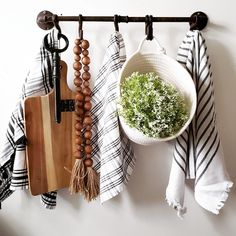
[{"x": 198, "y": 20}]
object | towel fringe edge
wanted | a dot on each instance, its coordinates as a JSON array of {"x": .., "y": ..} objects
[
  {"x": 178, "y": 207},
  {"x": 223, "y": 197}
]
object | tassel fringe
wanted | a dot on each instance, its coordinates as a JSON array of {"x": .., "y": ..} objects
[
  {"x": 77, "y": 181},
  {"x": 92, "y": 184}
]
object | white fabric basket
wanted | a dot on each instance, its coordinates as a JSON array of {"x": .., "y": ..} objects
[{"x": 170, "y": 71}]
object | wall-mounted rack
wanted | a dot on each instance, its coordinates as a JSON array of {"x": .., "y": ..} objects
[
  {"x": 198, "y": 20},
  {"x": 47, "y": 20}
]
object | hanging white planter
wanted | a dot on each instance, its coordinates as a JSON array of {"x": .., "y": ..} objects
[{"x": 167, "y": 69}]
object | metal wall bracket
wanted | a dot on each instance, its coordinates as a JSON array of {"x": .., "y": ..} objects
[
  {"x": 198, "y": 21},
  {"x": 44, "y": 20}
]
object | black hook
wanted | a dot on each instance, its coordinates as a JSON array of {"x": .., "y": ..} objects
[
  {"x": 149, "y": 27},
  {"x": 198, "y": 21},
  {"x": 80, "y": 26},
  {"x": 146, "y": 24},
  {"x": 49, "y": 46},
  {"x": 116, "y": 22},
  {"x": 56, "y": 23}
]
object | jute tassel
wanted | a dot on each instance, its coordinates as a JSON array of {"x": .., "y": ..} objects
[
  {"x": 92, "y": 184},
  {"x": 77, "y": 180}
]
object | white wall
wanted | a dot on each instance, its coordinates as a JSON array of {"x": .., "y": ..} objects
[{"x": 141, "y": 209}]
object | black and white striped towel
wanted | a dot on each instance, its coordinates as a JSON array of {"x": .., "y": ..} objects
[
  {"x": 13, "y": 172},
  {"x": 198, "y": 152},
  {"x": 112, "y": 152}
]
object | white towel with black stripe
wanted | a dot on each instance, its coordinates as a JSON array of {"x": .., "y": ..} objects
[
  {"x": 112, "y": 153},
  {"x": 198, "y": 152},
  {"x": 13, "y": 172}
]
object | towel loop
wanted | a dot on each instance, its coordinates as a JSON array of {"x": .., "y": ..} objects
[
  {"x": 116, "y": 22},
  {"x": 149, "y": 27}
]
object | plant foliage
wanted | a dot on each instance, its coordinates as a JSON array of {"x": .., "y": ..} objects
[{"x": 151, "y": 105}]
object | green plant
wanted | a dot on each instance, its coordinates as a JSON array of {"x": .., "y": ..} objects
[{"x": 151, "y": 105}]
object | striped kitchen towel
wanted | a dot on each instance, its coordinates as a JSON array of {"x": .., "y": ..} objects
[
  {"x": 198, "y": 152},
  {"x": 13, "y": 172},
  {"x": 112, "y": 152}
]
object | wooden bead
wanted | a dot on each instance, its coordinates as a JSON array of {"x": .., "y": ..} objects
[
  {"x": 88, "y": 127},
  {"x": 79, "y": 148},
  {"x": 78, "y": 154},
  {"x": 86, "y": 91},
  {"x": 88, "y": 162},
  {"x": 88, "y": 156},
  {"x": 88, "y": 149},
  {"x": 77, "y": 41},
  {"x": 78, "y": 140},
  {"x": 78, "y": 82},
  {"x": 79, "y": 104},
  {"x": 79, "y": 111},
  {"x": 77, "y": 57},
  {"x": 78, "y": 126},
  {"x": 86, "y": 75},
  {"x": 86, "y": 60},
  {"x": 85, "y": 52},
  {"x": 88, "y": 120},
  {"x": 86, "y": 84},
  {"x": 77, "y": 50},
  {"x": 79, "y": 97},
  {"x": 87, "y": 106},
  {"x": 78, "y": 132},
  {"x": 78, "y": 89},
  {"x": 87, "y": 98},
  {"x": 79, "y": 119},
  {"x": 85, "y": 44},
  {"x": 87, "y": 113},
  {"x": 87, "y": 141},
  {"x": 86, "y": 68},
  {"x": 77, "y": 73},
  {"x": 77, "y": 65},
  {"x": 88, "y": 135}
]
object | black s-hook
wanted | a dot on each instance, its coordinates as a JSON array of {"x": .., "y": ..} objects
[
  {"x": 56, "y": 23},
  {"x": 116, "y": 22},
  {"x": 149, "y": 27},
  {"x": 80, "y": 26},
  {"x": 50, "y": 47}
]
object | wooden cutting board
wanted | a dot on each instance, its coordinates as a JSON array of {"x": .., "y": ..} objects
[{"x": 50, "y": 146}]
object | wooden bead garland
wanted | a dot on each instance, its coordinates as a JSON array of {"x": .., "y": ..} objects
[{"x": 84, "y": 178}]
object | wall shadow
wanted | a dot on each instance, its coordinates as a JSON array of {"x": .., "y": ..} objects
[{"x": 149, "y": 180}]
